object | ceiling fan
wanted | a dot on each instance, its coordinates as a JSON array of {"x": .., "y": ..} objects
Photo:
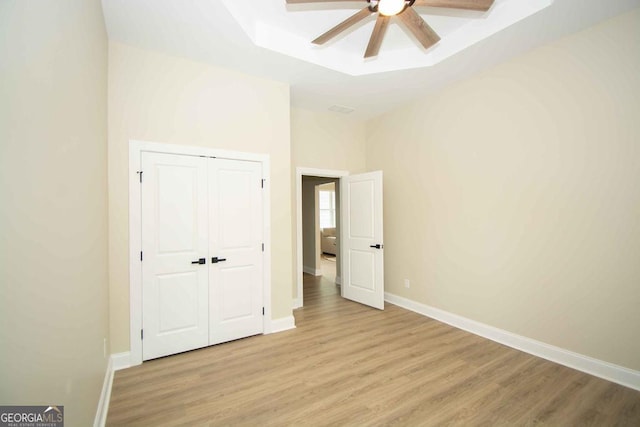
[{"x": 403, "y": 10}]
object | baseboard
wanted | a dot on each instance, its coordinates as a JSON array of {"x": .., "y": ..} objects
[
  {"x": 338, "y": 280},
  {"x": 283, "y": 324},
  {"x": 116, "y": 362},
  {"x": 297, "y": 303},
  {"x": 312, "y": 271},
  {"x": 599, "y": 368},
  {"x": 121, "y": 360},
  {"x": 105, "y": 396}
]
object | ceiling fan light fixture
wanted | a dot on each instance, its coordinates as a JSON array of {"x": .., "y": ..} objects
[
  {"x": 390, "y": 7},
  {"x": 406, "y": 15}
]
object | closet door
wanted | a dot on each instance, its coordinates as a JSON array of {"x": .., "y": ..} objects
[
  {"x": 174, "y": 238},
  {"x": 235, "y": 248}
]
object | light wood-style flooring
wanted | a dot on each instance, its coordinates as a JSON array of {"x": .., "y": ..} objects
[{"x": 347, "y": 364}]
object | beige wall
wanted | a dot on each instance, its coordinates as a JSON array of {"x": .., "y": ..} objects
[
  {"x": 327, "y": 141},
  {"x": 53, "y": 191},
  {"x": 160, "y": 98},
  {"x": 513, "y": 198}
]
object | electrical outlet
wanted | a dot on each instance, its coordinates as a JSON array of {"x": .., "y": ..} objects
[{"x": 407, "y": 284}]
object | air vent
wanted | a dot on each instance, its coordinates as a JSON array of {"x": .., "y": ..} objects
[{"x": 341, "y": 109}]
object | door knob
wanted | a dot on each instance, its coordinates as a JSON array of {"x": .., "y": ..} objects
[
  {"x": 200, "y": 261},
  {"x": 377, "y": 246},
  {"x": 216, "y": 260}
]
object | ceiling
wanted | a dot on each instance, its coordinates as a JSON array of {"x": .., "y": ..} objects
[{"x": 266, "y": 38}]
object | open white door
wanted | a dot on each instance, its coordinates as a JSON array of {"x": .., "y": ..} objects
[{"x": 361, "y": 239}]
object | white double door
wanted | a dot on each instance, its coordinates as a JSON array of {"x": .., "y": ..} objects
[{"x": 202, "y": 237}]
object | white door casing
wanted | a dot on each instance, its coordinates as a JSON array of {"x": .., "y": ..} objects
[
  {"x": 235, "y": 250},
  {"x": 136, "y": 150},
  {"x": 362, "y": 239},
  {"x": 174, "y": 235}
]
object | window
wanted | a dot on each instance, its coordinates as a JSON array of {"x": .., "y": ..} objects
[{"x": 327, "y": 208}]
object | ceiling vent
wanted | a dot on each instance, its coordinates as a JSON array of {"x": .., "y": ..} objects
[{"x": 342, "y": 109}]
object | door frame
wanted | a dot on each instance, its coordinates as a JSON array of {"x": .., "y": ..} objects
[
  {"x": 136, "y": 147},
  {"x": 300, "y": 172}
]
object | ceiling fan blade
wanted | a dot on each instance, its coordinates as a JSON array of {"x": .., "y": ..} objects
[
  {"x": 343, "y": 26},
  {"x": 376, "y": 37},
  {"x": 322, "y": 1},
  {"x": 482, "y": 5},
  {"x": 420, "y": 29}
]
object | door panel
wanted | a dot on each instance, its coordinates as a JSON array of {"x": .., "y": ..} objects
[
  {"x": 177, "y": 207},
  {"x": 236, "y": 293},
  {"x": 235, "y": 300},
  {"x": 361, "y": 212},
  {"x": 362, "y": 267},
  {"x": 236, "y": 190},
  {"x": 363, "y": 263},
  {"x": 174, "y": 230},
  {"x": 178, "y": 301}
]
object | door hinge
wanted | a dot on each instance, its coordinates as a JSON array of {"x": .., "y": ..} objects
[
  {"x": 263, "y": 247},
  {"x": 140, "y": 176},
  {"x": 263, "y": 311},
  {"x": 140, "y": 255},
  {"x": 262, "y": 183},
  {"x": 141, "y": 334}
]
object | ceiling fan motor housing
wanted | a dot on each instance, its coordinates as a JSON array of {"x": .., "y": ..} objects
[{"x": 373, "y": 5}]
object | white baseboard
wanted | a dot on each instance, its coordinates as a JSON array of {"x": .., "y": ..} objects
[
  {"x": 312, "y": 271},
  {"x": 103, "y": 404},
  {"x": 599, "y": 368},
  {"x": 297, "y": 303},
  {"x": 338, "y": 280},
  {"x": 116, "y": 362},
  {"x": 121, "y": 360},
  {"x": 283, "y": 324}
]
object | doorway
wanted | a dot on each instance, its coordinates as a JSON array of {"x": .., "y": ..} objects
[
  {"x": 309, "y": 250},
  {"x": 360, "y": 248},
  {"x": 321, "y": 227}
]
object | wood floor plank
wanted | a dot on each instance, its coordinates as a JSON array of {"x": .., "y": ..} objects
[{"x": 347, "y": 364}]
